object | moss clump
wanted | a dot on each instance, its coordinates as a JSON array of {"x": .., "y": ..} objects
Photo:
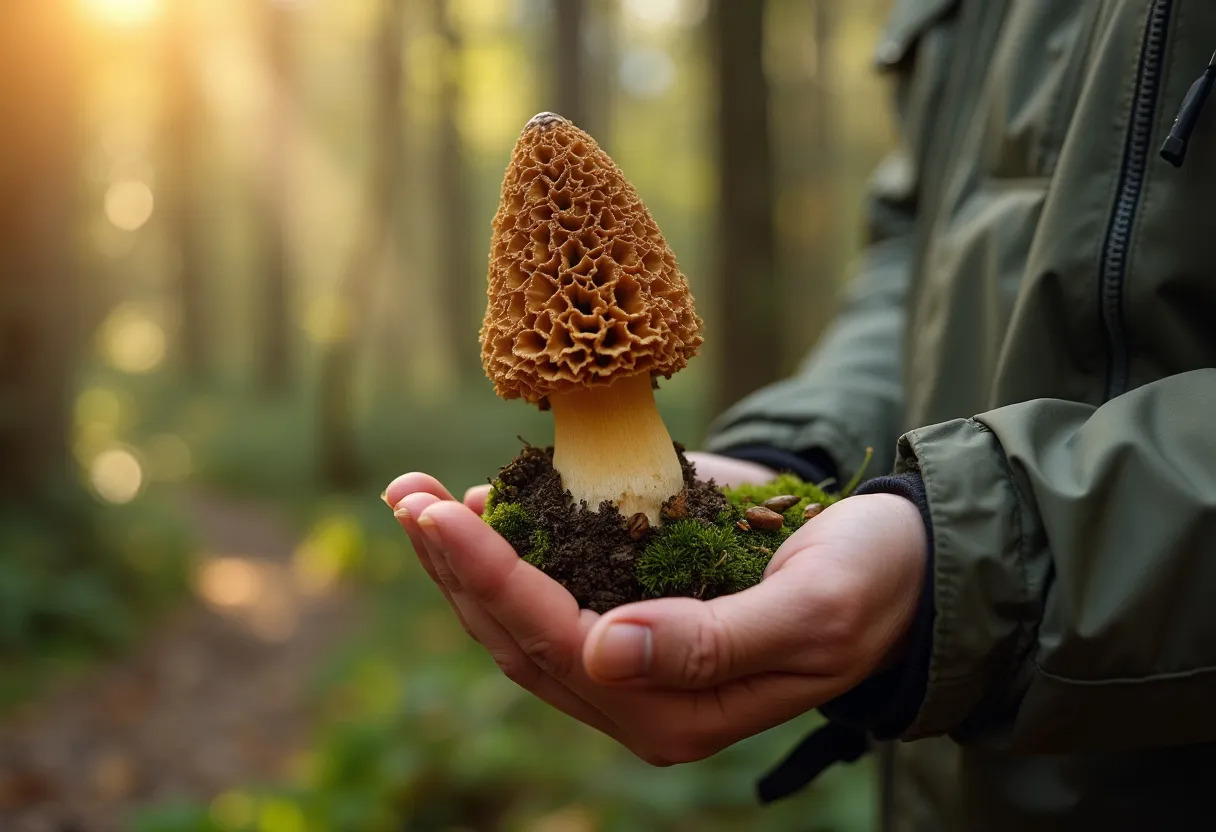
[
  {"x": 540, "y": 549},
  {"x": 511, "y": 520},
  {"x": 494, "y": 497},
  {"x": 691, "y": 558},
  {"x": 700, "y": 560}
]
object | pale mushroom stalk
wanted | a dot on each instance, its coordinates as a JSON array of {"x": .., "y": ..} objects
[{"x": 610, "y": 443}]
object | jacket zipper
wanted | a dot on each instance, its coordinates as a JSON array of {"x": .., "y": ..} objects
[{"x": 1131, "y": 184}]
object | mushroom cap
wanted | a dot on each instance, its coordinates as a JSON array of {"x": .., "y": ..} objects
[{"x": 583, "y": 288}]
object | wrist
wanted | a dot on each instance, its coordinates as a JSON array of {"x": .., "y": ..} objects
[{"x": 887, "y": 703}]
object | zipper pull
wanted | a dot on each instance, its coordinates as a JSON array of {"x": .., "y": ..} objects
[{"x": 1174, "y": 149}]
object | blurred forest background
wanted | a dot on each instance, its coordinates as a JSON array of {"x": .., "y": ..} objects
[{"x": 242, "y": 264}]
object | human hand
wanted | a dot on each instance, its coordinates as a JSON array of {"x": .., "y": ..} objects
[
  {"x": 677, "y": 679},
  {"x": 723, "y": 470}
]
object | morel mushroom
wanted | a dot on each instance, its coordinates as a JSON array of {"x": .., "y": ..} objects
[{"x": 586, "y": 306}]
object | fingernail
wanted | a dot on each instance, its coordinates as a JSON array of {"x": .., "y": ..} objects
[
  {"x": 438, "y": 552},
  {"x": 384, "y": 497},
  {"x": 623, "y": 652},
  {"x": 401, "y": 511}
]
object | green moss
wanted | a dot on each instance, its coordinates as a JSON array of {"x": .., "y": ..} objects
[
  {"x": 511, "y": 520},
  {"x": 703, "y": 561},
  {"x": 494, "y": 497},
  {"x": 748, "y": 495},
  {"x": 690, "y": 558},
  {"x": 540, "y": 549}
]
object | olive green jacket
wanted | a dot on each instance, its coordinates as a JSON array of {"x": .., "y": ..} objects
[{"x": 1033, "y": 330}]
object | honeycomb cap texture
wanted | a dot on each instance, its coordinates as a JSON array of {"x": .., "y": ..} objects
[{"x": 582, "y": 286}]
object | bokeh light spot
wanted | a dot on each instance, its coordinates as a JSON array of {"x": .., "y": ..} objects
[
  {"x": 232, "y": 811},
  {"x": 230, "y": 582},
  {"x": 131, "y": 341},
  {"x": 129, "y": 204},
  {"x": 332, "y": 548},
  {"x": 116, "y": 475},
  {"x": 98, "y": 405},
  {"x": 665, "y": 13},
  {"x": 280, "y": 816}
]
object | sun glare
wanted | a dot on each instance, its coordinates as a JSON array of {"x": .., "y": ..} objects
[{"x": 123, "y": 12}]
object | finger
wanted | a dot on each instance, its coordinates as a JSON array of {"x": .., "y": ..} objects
[
  {"x": 412, "y": 483},
  {"x": 719, "y": 717},
  {"x": 538, "y": 613},
  {"x": 475, "y": 498},
  {"x": 520, "y": 669},
  {"x": 407, "y": 512},
  {"x": 684, "y": 643},
  {"x": 729, "y": 472},
  {"x": 525, "y": 663}
]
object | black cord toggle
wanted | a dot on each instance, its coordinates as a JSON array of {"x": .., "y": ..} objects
[
  {"x": 1174, "y": 149},
  {"x": 830, "y": 744}
]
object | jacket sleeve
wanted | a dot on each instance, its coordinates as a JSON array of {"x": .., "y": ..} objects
[
  {"x": 1074, "y": 571},
  {"x": 847, "y": 395}
]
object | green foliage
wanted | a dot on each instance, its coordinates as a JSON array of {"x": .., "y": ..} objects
[
  {"x": 78, "y": 579},
  {"x": 424, "y": 733}
]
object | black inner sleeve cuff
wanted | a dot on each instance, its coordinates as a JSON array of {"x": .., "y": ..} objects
[{"x": 886, "y": 704}]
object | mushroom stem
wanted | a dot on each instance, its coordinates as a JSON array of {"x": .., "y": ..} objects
[{"x": 610, "y": 443}]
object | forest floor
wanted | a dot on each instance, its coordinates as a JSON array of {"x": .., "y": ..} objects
[{"x": 215, "y": 698}]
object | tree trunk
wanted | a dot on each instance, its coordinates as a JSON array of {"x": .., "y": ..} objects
[
  {"x": 456, "y": 270},
  {"x": 570, "y": 60},
  {"x": 274, "y": 345},
  {"x": 183, "y": 109},
  {"x": 809, "y": 161},
  {"x": 338, "y": 449},
  {"x": 599, "y": 68},
  {"x": 746, "y": 239},
  {"x": 38, "y": 286}
]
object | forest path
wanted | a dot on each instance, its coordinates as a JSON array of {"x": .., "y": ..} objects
[{"x": 215, "y": 697}]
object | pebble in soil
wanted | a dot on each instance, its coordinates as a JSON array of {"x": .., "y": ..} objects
[{"x": 704, "y": 548}]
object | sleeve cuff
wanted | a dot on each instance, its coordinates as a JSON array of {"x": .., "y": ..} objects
[{"x": 886, "y": 704}]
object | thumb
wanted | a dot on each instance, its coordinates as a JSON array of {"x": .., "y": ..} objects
[{"x": 685, "y": 643}]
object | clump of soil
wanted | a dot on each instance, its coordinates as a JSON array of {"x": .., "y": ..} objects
[
  {"x": 704, "y": 548},
  {"x": 590, "y": 552}
]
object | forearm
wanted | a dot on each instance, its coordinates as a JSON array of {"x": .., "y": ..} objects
[{"x": 847, "y": 396}]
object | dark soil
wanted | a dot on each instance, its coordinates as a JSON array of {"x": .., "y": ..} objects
[{"x": 592, "y": 553}]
